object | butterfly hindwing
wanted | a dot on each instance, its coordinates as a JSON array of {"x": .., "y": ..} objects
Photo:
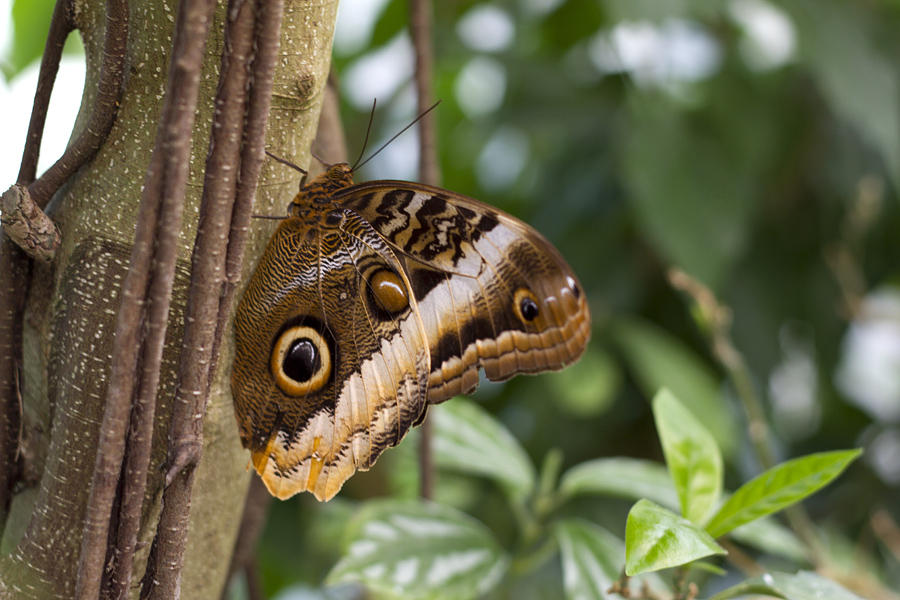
[{"x": 316, "y": 287}]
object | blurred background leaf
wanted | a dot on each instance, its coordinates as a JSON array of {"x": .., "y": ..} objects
[{"x": 754, "y": 144}]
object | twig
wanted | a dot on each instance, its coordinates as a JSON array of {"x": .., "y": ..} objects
[
  {"x": 202, "y": 318},
  {"x": 741, "y": 559},
  {"x": 145, "y": 299},
  {"x": 716, "y": 323},
  {"x": 886, "y": 530},
  {"x": 253, "y": 521},
  {"x": 266, "y": 42},
  {"x": 14, "y": 269},
  {"x": 620, "y": 586},
  {"x": 104, "y": 110},
  {"x": 142, "y": 416},
  {"x": 420, "y": 18},
  {"x": 61, "y": 24},
  {"x": 14, "y": 266},
  {"x": 845, "y": 256}
]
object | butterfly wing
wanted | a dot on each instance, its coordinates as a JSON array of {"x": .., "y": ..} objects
[
  {"x": 491, "y": 291},
  {"x": 330, "y": 369}
]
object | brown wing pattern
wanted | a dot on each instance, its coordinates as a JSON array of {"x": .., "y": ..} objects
[
  {"x": 491, "y": 291},
  {"x": 315, "y": 287},
  {"x": 373, "y": 300}
]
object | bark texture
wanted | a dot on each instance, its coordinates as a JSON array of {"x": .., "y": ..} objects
[{"x": 72, "y": 303}]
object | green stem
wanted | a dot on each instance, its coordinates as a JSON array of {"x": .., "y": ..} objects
[{"x": 717, "y": 319}]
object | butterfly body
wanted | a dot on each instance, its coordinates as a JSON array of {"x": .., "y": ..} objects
[{"x": 373, "y": 300}]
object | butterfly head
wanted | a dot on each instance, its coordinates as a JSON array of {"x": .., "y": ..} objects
[{"x": 321, "y": 189}]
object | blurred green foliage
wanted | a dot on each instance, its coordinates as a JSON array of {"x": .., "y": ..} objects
[
  {"x": 754, "y": 145},
  {"x": 30, "y": 20},
  {"x": 764, "y": 164}
]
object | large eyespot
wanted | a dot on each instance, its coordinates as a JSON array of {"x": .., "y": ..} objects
[
  {"x": 526, "y": 305},
  {"x": 300, "y": 361},
  {"x": 387, "y": 292}
]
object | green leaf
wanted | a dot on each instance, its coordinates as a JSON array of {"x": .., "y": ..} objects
[
  {"x": 31, "y": 22},
  {"x": 591, "y": 559},
  {"x": 656, "y": 538},
  {"x": 468, "y": 439},
  {"x": 779, "y": 487},
  {"x": 658, "y": 359},
  {"x": 771, "y": 537},
  {"x": 624, "y": 477},
  {"x": 636, "y": 478},
  {"x": 692, "y": 456},
  {"x": 422, "y": 550},
  {"x": 805, "y": 585},
  {"x": 700, "y": 565}
]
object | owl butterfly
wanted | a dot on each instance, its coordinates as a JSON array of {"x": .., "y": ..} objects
[{"x": 374, "y": 300}]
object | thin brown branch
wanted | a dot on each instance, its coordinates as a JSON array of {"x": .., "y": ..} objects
[
  {"x": 259, "y": 499},
  {"x": 845, "y": 256},
  {"x": 13, "y": 268},
  {"x": 717, "y": 322},
  {"x": 740, "y": 559},
  {"x": 886, "y": 530},
  {"x": 144, "y": 410},
  {"x": 103, "y": 113},
  {"x": 262, "y": 76},
  {"x": 111, "y": 445},
  {"x": 253, "y": 521},
  {"x": 160, "y": 218},
  {"x": 61, "y": 25},
  {"x": 420, "y": 17},
  {"x": 203, "y": 308},
  {"x": 13, "y": 264},
  {"x": 426, "y": 461}
]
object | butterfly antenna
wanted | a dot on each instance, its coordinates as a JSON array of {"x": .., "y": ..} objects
[
  {"x": 385, "y": 145},
  {"x": 286, "y": 162},
  {"x": 365, "y": 141},
  {"x": 319, "y": 158}
]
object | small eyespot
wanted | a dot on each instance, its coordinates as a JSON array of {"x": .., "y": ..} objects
[
  {"x": 387, "y": 292},
  {"x": 300, "y": 361},
  {"x": 573, "y": 285},
  {"x": 526, "y": 305}
]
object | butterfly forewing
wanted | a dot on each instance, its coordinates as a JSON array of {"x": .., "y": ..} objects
[{"x": 471, "y": 267}]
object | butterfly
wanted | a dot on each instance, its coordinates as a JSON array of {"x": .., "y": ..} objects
[{"x": 374, "y": 300}]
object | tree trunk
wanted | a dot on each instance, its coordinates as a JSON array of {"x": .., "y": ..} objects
[{"x": 72, "y": 303}]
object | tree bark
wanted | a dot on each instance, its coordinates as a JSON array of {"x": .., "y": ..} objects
[{"x": 72, "y": 303}]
